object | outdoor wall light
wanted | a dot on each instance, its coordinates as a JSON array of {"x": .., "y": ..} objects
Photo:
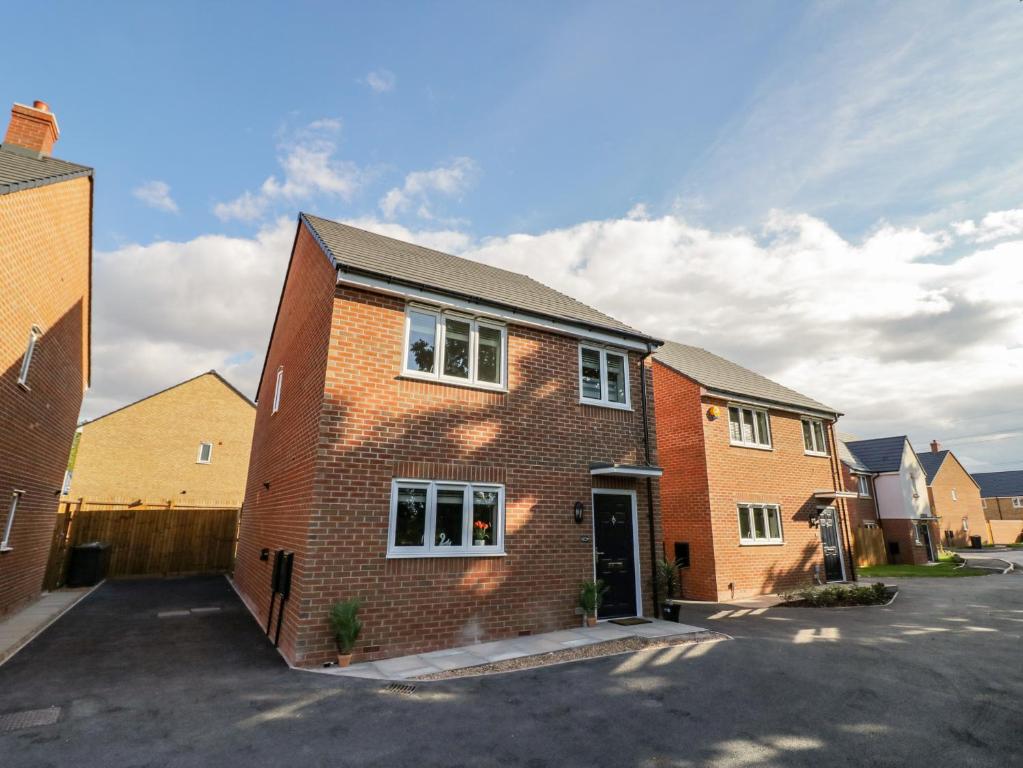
[
  {"x": 815, "y": 519},
  {"x": 267, "y": 486},
  {"x": 713, "y": 412},
  {"x": 577, "y": 511}
]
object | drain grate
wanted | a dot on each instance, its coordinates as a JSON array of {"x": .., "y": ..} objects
[
  {"x": 400, "y": 688},
  {"x": 28, "y": 718}
]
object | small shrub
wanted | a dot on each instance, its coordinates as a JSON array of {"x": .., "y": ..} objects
[
  {"x": 346, "y": 624},
  {"x": 591, "y": 595},
  {"x": 833, "y": 595},
  {"x": 668, "y": 576}
]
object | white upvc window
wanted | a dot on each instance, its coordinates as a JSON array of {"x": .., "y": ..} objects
[
  {"x": 749, "y": 427},
  {"x": 760, "y": 524},
  {"x": 454, "y": 348},
  {"x": 26, "y": 361},
  {"x": 863, "y": 486},
  {"x": 1017, "y": 502},
  {"x": 5, "y": 543},
  {"x": 278, "y": 384},
  {"x": 445, "y": 519},
  {"x": 983, "y": 503},
  {"x": 205, "y": 453},
  {"x": 65, "y": 489},
  {"x": 604, "y": 377},
  {"x": 814, "y": 441},
  {"x": 955, "y": 495}
]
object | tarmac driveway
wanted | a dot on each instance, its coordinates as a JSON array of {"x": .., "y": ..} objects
[{"x": 933, "y": 680}]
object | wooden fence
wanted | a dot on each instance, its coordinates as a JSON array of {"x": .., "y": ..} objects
[
  {"x": 870, "y": 547},
  {"x": 146, "y": 540}
]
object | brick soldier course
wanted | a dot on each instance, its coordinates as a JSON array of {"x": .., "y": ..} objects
[
  {"x": 45, "y": 267},
  {"x": 350, "y": 422}
]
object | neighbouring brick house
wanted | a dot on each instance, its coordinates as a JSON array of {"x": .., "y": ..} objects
[
  {"x": 954, "y": 497},
  {"x": 45, "y": 276},
  {"x": 1002, "y": 501},
  {"x": 911, "y": 530},
  {"x": 861, "y": 505},
  {"x": 188, "y": 445},
  {"x": 410, "y": 399},
  {"x": 751, "y": 498}
]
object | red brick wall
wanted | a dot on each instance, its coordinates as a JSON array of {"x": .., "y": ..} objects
[
  {"x": 860, "y": 509},
  {"x": 285, "y": 444},
  {"x": 45, "y": 253},
  {"x": 374, "y": 426},
  {"x": 951, "y": 476},
  {"x": 901, "y": 531}
]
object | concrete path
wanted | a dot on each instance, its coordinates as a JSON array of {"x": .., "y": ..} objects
[
  {"x": 405, "y": 667},
  {"x": 21, "y": 626}
]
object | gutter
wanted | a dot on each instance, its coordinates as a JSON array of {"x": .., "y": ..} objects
[{"x": 649, "y": 481}]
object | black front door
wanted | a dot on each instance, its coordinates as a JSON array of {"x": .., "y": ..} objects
[
  {"x": 925, "y": 538},
  {"x": 615, "y": 558},
  {"x": 831, "y": 544}
]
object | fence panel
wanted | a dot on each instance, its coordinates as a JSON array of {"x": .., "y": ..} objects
[{"x": 870, "y": 548}]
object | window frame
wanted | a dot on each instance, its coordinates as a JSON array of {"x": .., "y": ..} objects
[
  {"x": 604, "y": 401},
  {"x": 12, "y": 510},
  {"x": 767, "y": 541},
  {"x": 199, "y": 459},
  {"x": 769, "y": 445},
  {"x": 34, "y": 335},
  {"x": 955, "y": 495},
  {"x": 278, "y": 386},
  {"x": 863, "y": 481},
  {"x": 429, "y": 549},
  {"x": 814, "y": 423},
  {"x": 440, "y": 318},
  {"x": 1017, "y": 502}
]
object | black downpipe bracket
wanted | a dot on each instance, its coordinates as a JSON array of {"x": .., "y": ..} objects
[{"x": 649, "y": 482}]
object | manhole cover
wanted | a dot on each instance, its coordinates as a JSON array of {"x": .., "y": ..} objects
[
  {"x": 28, "y": 718},
  {"x": 400, "y": 688}
]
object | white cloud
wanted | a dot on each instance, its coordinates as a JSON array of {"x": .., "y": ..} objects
[
  {"x": 448, "y": 180},
  {"x": 156, "y": 194},
  {"x": 307, "y": 160},
  {"x": 381, "y": 80},
  {"x": 998, "y": 225}
]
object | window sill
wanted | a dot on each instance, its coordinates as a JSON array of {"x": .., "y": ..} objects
[
  {"x": 754, "y": 447},
  {"x": 761, "y": 543},
  {"x": 459, "y": 553},
  {"x": 24, "y": 385},
  {"x": 6, "y": 549},
  {"x": 407, "y": 376},
  {"x": 602, "y": 404},
  {"x": 817, "y": 454}
]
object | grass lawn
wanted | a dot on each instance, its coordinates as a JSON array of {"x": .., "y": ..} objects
[{"x": 946, "y": 569}]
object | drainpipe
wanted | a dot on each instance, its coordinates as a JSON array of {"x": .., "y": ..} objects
[{"x": 649, "y": 481}]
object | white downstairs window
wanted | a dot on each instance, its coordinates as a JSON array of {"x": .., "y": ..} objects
[
  {"x": 603, "y": 377},
  {"x": 814, "y": 441},
  {"x": 445, "y": 519},
  {"x": 749, "y": 427},
  {"x": 455, "y": 349},
  {"x": 760, "y": 524}
]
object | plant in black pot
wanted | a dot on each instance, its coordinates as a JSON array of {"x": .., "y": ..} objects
[
  {"x": 670, "y": 580},
  {"x": 591, "y": 595},
  {"x": 346, "y": 624}
]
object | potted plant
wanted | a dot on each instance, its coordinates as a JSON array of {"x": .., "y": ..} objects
[
  {"x": 345, "y": 621},
  {"x": 480, "y": 531},
  {"x": 668, "y": 576},
  {"x": 591, "y": 595}
]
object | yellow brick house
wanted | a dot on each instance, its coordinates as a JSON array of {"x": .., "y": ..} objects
[{"x": 187, "y": 445}]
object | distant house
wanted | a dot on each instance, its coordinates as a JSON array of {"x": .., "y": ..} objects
[
  {"x": 861, "y": 505},
  {"x": 186, "y": 445},
  {"x": 900, "y": 492},
  {"x": 45, "y": 308},
  {"x": 751, "y": 497},
  {"x": 1001, "y": 494},
  {"x": 954, "y": 496}
]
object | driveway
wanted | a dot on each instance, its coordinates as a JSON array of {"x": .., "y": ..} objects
[{"x": 933, "y": 680}]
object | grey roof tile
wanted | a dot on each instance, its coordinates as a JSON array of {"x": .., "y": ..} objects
[
  {"x": 23, "y": 169},
  {"x": 994, "y": 484},
  {"x": 931, "y": 463},
  {"x": 849, "y": 458},
  {"x": 722, "y": 375},
  {"x": 882, "y": 454},
  {"x": 367, "y": 252}
]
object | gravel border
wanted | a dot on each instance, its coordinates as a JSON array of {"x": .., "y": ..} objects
[{"x": 592, "y": 651}]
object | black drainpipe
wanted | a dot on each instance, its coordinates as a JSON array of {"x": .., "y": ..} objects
[{"x": 649, "y": 481}]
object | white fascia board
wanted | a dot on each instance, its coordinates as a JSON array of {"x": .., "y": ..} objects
[
  {"x": 768, "y": 404},
  {"x": 627, "y": 472},
  {"x": 481, "y": 309}
]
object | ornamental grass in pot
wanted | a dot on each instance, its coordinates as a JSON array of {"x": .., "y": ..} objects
[
  {"x": 591, "y": 595},
  {"x": 346, "y": 625}
]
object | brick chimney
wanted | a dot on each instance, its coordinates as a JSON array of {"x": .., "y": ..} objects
[
  {"x": 34, "y": 128},
  {"x": 935, "y": 446}
]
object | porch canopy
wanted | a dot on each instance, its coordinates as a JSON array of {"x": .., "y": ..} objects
[
  {"x": 827, "y": 494},
  {"x": 625, "y": 470}
]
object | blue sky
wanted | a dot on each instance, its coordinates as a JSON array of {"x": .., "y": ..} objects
[{"x": 857, "y": 147}]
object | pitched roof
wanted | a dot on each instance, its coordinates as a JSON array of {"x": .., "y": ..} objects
[
  {"x": 882, "y": 454},
  {"x": 993, "y": 484},
  {"x": 931, "y": 463},
  {"x": 849, "y": 458},
  {"x": 357, "y": 250},
  {"x": 729, "y": 378},
  {"x": 21, "y": 168}
]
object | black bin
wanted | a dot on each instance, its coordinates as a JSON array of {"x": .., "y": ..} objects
[
  {"x": 88, "y": 565},
  {"x": 975, "y": 542}
]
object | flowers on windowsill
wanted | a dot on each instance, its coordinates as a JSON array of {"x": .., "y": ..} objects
[{"x": 480, "y": 532}]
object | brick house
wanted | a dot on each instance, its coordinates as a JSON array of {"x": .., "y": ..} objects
[
  {"x": 911, "y": 530},
  {"x": 954, "y": 497},
  {"x": 1001, "y": 498},
  {"x": 457, "y": 445},
  {"x": 45, "y": 276},
  {"x": 188, "y": 444},
  {"x": 751, "y": 498}
]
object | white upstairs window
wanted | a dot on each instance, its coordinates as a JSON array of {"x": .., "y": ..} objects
[
  {"x": 455, "y": 349},
  {"x": 205, "y": 453},
  {"x": 1017, "y": 502},
  {"x": 749, "y": 427},
  {"x": 26, "y": 361},
  {"x": 604, "y": 377},
  {"x": 278, "y": 383},
  {"x": 955, "y": 495},
  {"x": 814, "y": 441},
  {"x": 863, "y": 486}
]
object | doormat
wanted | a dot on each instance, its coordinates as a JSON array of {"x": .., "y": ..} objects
[{"x": 630, "y": 622}]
